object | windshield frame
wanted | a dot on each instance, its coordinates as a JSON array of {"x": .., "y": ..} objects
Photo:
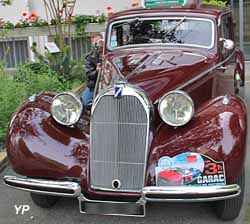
[{"x": 161, "y": 44}]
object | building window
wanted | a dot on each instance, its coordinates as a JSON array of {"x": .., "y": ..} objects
[
  {"x": 79, "y": 47},
  {"x": 247, "y": 28},
  {"x": 242, "y": 19},
  {"x": 14, "y": 52}
]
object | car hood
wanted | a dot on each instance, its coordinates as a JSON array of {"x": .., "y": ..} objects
[{"x": 157, "y": 72}]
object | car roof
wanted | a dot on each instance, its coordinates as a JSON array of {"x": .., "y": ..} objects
[{"x": 206, "y": 10}]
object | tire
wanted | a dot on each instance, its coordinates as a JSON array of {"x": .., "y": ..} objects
[
  {"x": 44, "y": 201},
  {"x": 230, "y": 209}
]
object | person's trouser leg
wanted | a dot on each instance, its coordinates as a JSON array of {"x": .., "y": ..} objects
[{"x": 87, "y": 97}]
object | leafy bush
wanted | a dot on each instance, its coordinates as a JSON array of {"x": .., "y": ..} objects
[
  {"x": 215, "y": 2},
  {"x": 81, "y": 22},
  {"x": 62, "y": 64},
  {"x": 37, "y": 67},
  {"x": 28, "y": 79},
  {"x": 37, "y": 82},
  {"x": 39, "y": 77},
  {"x": 7, "y": 25},
  {"x": 12, "y": 95}
]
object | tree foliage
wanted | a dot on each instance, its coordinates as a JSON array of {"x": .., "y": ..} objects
[
  {"x": 5, "y": 2},
  {"x": 221, "y": 3}
]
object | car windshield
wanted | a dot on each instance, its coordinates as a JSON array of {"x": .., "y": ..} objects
[{"x": 194, "y": 32}]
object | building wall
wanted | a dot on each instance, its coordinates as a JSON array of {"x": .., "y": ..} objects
[
  {"x": 13, "y": 13},
  {"x": 86, "y": 7}
]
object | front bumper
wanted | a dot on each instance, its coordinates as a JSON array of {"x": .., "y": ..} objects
[
  {"x": 154, "y": 194},
  {"x": 46, "y": 187},
  {"x": 190, "y": 194}
]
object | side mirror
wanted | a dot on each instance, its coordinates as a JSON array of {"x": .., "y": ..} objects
[{"x": 227, "y": 44}]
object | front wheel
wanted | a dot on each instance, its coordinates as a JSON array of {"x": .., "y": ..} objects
[
  {"x": 230, "y": 209},
  {"x": 44, "y": 201}
]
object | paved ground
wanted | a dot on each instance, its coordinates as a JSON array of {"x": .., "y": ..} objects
[{"x": 66, "y": 211}]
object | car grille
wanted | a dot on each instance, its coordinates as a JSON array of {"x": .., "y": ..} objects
[{"x": 119, "y": 142}]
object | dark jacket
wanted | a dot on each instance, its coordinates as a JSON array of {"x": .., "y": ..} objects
[{"x": 91, "y": 60}]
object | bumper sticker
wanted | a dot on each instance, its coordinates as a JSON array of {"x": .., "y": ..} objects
[{"x": 190, "y": 169}]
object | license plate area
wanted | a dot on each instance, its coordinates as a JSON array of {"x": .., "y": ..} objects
[{"x": 136, "y": 209}]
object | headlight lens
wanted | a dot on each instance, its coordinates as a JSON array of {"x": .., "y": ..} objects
[
  {"x": 176, "y": 108},
  {"x": 66, "y": 108}
]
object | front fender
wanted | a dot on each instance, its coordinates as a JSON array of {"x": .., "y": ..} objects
[
  {"x": 217, "y": 131},
  {"x": 39, "y": 147}
]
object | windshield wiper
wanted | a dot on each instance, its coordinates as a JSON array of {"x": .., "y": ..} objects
[{"x": 174, "y": 28}]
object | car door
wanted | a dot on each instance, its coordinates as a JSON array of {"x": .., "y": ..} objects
[{"x": 226, "y": 70}]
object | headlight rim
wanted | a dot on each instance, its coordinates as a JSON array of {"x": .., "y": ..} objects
[
  {"x": 77, "y": 98},
  {"x": 177, "y": 92}
]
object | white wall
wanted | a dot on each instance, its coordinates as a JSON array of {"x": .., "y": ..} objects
[
  {"x": 85, "y": 7},
  {"x": 14, "y": 12}
]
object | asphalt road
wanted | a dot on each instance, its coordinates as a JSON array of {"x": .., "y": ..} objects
[{"x": 66, "y": 210}]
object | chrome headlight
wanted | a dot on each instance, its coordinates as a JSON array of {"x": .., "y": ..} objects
[
  {"x": 176, "y": 108},
  {"x": 66, "y": 108}
]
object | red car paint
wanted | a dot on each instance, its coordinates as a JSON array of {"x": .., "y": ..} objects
[{"x": 39, "y": 147}]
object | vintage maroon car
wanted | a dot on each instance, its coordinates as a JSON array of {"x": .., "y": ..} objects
[{"x": 167, "y": 123}]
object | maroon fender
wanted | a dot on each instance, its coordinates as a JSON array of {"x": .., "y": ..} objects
[
  {"x": 39, "y": 147},
  {"x": 240, "y": 66},
  {"x": 217, "y": 130}
]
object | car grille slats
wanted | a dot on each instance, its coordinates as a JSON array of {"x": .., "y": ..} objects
[{"x": 119, "y": 140}]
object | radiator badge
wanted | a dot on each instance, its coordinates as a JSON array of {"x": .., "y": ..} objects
[{"x": 118, "y": 90}]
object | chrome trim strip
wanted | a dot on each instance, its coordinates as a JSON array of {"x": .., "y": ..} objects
[
  {"x": 115, "y": 162},
  {"x": 216, "y": 192},
  {"x": 223, "y": 14},
  {"x": 46, "y": 187},
  {"x": 160, "y": 44},
  {"x": 169, "y": 13},
  {"x": 147, "y": 104}
]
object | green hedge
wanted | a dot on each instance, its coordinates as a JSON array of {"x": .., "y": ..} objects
[
  {"x": 28, "y": 79},
  {"x": 220, "y": 3},
  {"x": 11, "y": 95}
]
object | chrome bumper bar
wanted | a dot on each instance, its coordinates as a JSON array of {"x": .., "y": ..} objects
[
  {"x": 137, "y": 209},
  {"x": 47, "y": 187},
  {"x": 158, "y": 194},
  {"x": 190, "y": 194}
]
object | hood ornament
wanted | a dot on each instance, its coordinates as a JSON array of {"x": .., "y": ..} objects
[{"x": 118, "y": 89}]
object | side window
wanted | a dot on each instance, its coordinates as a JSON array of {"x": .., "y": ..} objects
[
  {"x": 225, "y": 27},
  {"x": 226, "y": 32}
]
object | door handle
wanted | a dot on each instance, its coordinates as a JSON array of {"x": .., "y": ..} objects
[{"x": 222, "y": 68}]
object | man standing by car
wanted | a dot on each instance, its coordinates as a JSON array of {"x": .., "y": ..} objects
[{"x": 92, "y": 68}]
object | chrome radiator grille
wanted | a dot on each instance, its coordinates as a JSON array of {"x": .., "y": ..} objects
[{"x": 119, "y": 140}]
